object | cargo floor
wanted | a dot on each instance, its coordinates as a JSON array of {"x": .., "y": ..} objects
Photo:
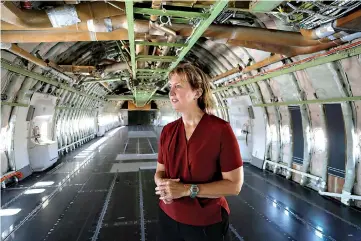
[{"x": 104, "y": 190}]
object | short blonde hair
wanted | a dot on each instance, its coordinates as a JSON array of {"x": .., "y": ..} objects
[{"x": 198, "y": 80}]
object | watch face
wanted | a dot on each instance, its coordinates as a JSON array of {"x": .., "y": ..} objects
[{"x": 195, "y": 189}]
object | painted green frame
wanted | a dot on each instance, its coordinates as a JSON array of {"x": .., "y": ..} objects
[
  {"x": 160, "y": 44},
  {"x": 316, "y": 101},
  {"x": 19, "y": 70},
  {"x": 130, "y": 20},
  {"x": 171, "y": 13}
]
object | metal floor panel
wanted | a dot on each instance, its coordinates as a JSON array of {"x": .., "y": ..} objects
[
  {"x": 26, "y": 203},
  {"x": 132, "y": 167},
  {"x": 10, "y": 193},
  {"x": 314, "y": 217},
  {"x": 67, "y": 167},
  {"x": 313, "y": 214},
  {"x": 120, "y": 233},
  {"x": 150, "y": 204},
  {"x": 79, "y": 218},
  {"x": 327, "y": 205},
  {"x": 137, "y": 134},
  {"x": 252, "y": 225},
  {"x": 91, "y": 203},
  {"x": 280, "y": 218},
  {"x": 97, "y": 182},
  {"x": 122, "y": 157},
  {"x": 123, "y": 206},
  {"x": 38, "y": 227}
]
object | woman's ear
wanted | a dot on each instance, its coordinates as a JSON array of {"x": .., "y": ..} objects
[{"x": 199, "y": 93}]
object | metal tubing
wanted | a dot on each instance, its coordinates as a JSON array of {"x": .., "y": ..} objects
[
  {"x": 140, "y": 27},
  {"x": 267, "y": 61},
  {"x": 291, "y": 170},
  {"x": 339, "y": 195},
  {"x": 289, "y": 51},
  {"x": 40, "y": 19},
  {"x": 171, "y": 13},
  {"x": 349, "y": 22},
  {"x": 330, "y": 56}
]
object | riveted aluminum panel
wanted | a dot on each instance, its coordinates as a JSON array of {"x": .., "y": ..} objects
[
  {"x": 273, "y": 125},
  {"x": 318, "y": 148},
  {"x": 323, "y": 80},
  {"x": 284, "y": 89}
]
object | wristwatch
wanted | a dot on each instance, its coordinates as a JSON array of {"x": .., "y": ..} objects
[{"x": 194, "y": 189}]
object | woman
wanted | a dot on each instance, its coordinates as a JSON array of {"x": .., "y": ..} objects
[{"x": 199, "y": 163}]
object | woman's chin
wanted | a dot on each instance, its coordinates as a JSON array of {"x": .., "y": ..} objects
[{"x": 176, "y": 107}]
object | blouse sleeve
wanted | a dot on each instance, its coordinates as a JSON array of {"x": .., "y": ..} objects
[
  {"x": 160, "y": 147},
  {"x": 230, "y": 156}
]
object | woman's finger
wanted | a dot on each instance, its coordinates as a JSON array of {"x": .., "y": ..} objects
[
  {"x": 161, "y": 188},
  {"x": 167, "y": 181},
  {"x": 175, "y": 180},
  {"x": 165, "y": 198}
]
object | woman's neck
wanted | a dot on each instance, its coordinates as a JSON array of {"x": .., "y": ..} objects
[{"x": 192, "y": 118}]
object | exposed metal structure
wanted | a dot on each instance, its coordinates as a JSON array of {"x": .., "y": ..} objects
[{"x": 281, "y": 54}]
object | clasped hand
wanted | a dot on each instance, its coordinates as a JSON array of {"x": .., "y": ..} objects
[{"x": 170, "y": 189}]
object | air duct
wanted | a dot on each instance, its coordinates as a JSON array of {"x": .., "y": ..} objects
[{"x": 330, "y": 32}]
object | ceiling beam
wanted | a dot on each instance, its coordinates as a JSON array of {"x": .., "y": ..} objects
[
  {"x": 171, "y": 13},
  {"x": 119, "y": 97},
  {"x": 153, "y": 70},
  {"x": 216, "y": 9},
  {"x": 130, "y": 97},
  {"x": 130, "y": 20},
  {"x": 264, "y": 5},
  {"x": 156, "y": 58},
  {"x": 103, "y": 80}
]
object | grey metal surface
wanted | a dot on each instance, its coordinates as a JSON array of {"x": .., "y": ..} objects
[{"x": 126, "y": 203}]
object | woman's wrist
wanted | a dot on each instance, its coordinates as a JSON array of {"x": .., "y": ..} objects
[{"x": 187, "y": 190}]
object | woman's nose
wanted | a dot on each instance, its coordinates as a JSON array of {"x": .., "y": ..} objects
[{"x": 171, "y": 92}]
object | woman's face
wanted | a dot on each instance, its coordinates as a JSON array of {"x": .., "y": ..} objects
[{"x": 181, "y": 94}]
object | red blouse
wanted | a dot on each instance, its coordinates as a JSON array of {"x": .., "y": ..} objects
[{"x": 211, "y": 150}]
